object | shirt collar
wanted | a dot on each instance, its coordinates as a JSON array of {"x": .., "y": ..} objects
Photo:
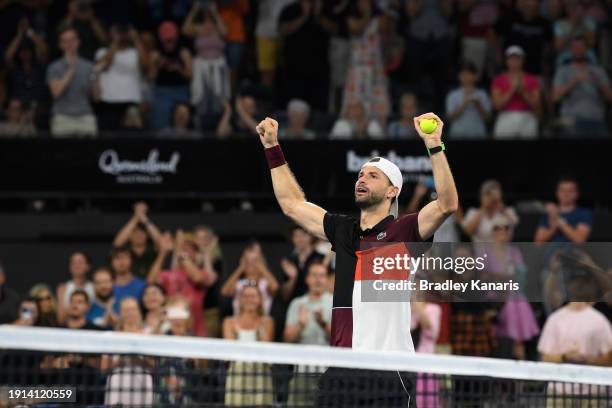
[{"x": 380, "y": 227}]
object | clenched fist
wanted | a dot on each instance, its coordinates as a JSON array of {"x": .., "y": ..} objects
[
  {"x": 268, "y": 132},
  {"x": 431, "y": 139}
]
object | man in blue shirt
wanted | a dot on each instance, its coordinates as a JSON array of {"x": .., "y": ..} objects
[
  {"x": 126, "y": 284},
  {"x": 565, "y": 222},
  {"x": 100, "y": 312}
]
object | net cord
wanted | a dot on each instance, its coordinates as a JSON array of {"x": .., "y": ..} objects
[{"x": 83, "y": 341}]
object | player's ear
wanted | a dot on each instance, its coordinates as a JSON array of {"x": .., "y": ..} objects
[{"x": 392, "y": 192}]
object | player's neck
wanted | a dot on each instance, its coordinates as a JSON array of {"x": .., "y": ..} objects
[{"x": 372, "y": 216}]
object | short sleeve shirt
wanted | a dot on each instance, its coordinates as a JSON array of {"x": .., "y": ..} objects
[
  {"x": 583, "y": 101},
  {"x": 469, "y": 124},
  {"x": 574, "y": 217},
  {"x": 74, "y": 101},
  {"x": 358, "y": 324},
  {"x": 313, "y": 333},
  {"x": 516, "y": 103}
]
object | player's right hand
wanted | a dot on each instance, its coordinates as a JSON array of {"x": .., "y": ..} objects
[{"x": 268, "y": 132}]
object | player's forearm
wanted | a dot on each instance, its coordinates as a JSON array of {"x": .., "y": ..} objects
[
  {"x": 448, "y": 199},
  {"x": 286, "y": 188}
]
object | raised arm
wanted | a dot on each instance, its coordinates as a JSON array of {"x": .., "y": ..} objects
[
  {"x": 434, "y": 213},
  {"x": 288, "y": 193}
]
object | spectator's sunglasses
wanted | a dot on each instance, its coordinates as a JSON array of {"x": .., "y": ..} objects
[
  {"x": 42, "y": 298},
  {"x": 501, "y": 227}
]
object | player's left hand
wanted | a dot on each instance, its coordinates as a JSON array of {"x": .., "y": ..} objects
[{"x": 431, "y": 139}]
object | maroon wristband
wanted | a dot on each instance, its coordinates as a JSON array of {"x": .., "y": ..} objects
[{"x": 275, "y": 156}]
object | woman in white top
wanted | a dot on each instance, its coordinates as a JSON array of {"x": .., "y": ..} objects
[
  {"x": 249, "y": 383},
  {"x": 78, "y": 266},
  {"x": 252, "y": 271},
  {"x": 478, "y": 222},
  {"x": 120, "y": 67}
]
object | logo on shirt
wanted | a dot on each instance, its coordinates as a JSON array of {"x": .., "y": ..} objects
[{"x": 381, "y": 236}]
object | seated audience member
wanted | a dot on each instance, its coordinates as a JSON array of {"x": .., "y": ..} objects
[
  {"x": 170, "y": 71},
  {"x": 101, "y": 310},
  {"x": 565, "y": 221},
  {"x": 576, "y": 334},
  {"x": 404, "y": 127},
  {"x": 355, "y": 124},
  {"x": 125, "y": 284},
  {"x": 478, "y": 222},
  {"x": 141, "y": 238},
  {"x": 9, "y": 300},
  {"x": 120, "y": 66},
  {"x": 133, "y": 120},
  {"x": 240, "y": 122},
  {"x": 296, "y": 265},
  {"x": 298, "y": 113},
  {"x": 309, "y": 316},
  {"x": 78, "y": 267},
  {"x": 468, "y": 108},
  {"x": 77, "y": 311},
  {"x": 425, "y": 328},
  {"x": 248, "y": 325},
  {"x": 46, "y": 305},
  {"x": 181, "y": 124},
  {"x": 186, "y": 280},
  {"x": 252, "y": 270},
  {"x": 154, "y": 306},
  {"x": 27, "y": 313},
  {"x": 582, "y": 88},
  {"x": 18, "y": 123},
  {"x": 516, "y": 96},
  {"x": 71, "y": 82},
  {"x": 575, "y": 23}
]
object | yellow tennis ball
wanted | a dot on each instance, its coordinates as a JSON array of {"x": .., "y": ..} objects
[{"x": 428, "y": 125}]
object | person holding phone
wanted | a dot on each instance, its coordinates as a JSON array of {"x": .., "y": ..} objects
[{"x": 28, "y": 313}]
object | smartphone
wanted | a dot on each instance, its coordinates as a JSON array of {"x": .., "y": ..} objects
[{"x": 26, "y": 314}]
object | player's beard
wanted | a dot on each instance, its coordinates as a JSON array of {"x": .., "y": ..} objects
[{"x": 371, "y": 200}]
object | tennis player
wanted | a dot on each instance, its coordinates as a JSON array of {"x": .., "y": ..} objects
[{"x": 373, "y": 326}]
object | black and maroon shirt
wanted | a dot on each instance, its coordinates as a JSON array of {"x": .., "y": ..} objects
[{"x": 367, "y": 325}]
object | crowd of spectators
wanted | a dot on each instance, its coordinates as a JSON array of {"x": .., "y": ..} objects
[
  {"x": 178, "y": 283},
  {"x": 344, "y": 68}
]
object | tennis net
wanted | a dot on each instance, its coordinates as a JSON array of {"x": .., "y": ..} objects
[{"x": 119, "y": 369}]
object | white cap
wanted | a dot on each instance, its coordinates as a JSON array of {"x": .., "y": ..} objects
[
  {"x": 177, "y": 313},
  {"x": 515, "y": 50},
  {"x": 393, "y": 173}
]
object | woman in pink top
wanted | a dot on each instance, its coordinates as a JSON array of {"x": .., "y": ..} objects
[
  {"x": 425, "y": 328},
  {"x": 516, "y": 96},
  {"x": 187, "y": 280},
  {"x": 210, "y": 82}
]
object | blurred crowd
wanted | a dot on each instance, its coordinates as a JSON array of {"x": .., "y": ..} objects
[{"x": 340, "y": 69}]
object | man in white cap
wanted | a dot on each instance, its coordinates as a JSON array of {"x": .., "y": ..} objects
[{"x": 355, "y": 323}]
